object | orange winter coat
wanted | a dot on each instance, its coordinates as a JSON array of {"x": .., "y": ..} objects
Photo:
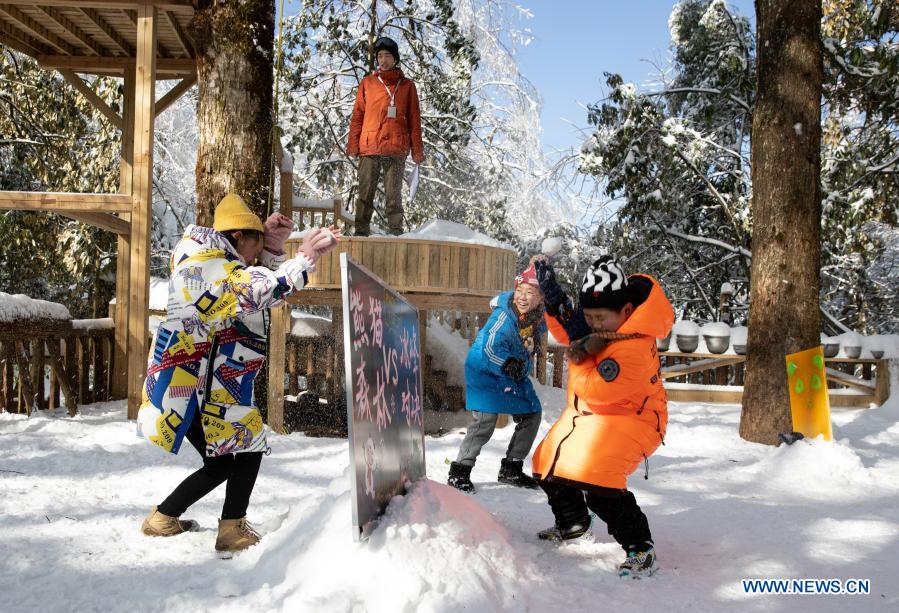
[
  {"x": 617, "y": 409},
  {"x": 372, "y": 132}
]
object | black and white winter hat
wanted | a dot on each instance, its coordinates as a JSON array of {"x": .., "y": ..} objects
[{"x": 604, "y": 285}]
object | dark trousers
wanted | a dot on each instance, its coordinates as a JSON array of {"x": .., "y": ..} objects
[
  {"x": 370, "y": 167},
  {"x": 617, "y": 508},
  {"x": 238, "y": 469}
]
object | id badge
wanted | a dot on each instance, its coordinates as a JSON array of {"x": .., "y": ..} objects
[{"x": 391, "y": 112}]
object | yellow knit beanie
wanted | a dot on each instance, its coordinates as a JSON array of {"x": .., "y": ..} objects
[{"x": 232, "y": 213}]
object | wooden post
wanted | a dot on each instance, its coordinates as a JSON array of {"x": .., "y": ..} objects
[
  {"x": 37, "y": 372},
  {"x": 336, "y": 359},
  {"x": 292, "y": 387},
  {"x": 141, "y": 212},
  {"x": 541, "y": 358},
  {"x": 882, "y": 384},
  {"x": 82, "y": 368},
  {"x": 280, "y": 321},
  {"x": 119, "y": 373},
  {"x": 62, "y": 376},
  {"x": 276, "y": 353},
  {"x": 27, "y": 391}
]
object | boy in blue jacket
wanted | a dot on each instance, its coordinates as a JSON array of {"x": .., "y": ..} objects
[{"x": 496, "y": 381}]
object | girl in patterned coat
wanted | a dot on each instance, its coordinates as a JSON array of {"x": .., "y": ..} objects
[{"x": 206, "y": 354}]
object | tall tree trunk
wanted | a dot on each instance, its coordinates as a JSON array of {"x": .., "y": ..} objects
[
  {"x": 235, "y": 63},
  {"x": 235, "y": 42},
  {"x": 786, "y": 209}
]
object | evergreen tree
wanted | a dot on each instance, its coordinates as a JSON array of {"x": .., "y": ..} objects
[{"x": 52, "y": 139}]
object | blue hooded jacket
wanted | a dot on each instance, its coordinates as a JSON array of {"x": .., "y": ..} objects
[{"x": 487, "y": 388}]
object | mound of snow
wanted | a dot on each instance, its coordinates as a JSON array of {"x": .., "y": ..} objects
[
  {"x": 716, "y": 328},
  {"x": 685, "y": 327},
  {"x": 443, "y": 230}
]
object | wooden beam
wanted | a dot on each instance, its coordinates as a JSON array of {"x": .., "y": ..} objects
[
  {"x": 89, "y": 43},
  {"x": 92, "y": 97},
  {"x": 849, "y": 381},
  {"x": 17, "y": 45},
  {"x": 36, "y": 29},
  {"x": 173, "y": 94},
  {"x": 679, "y": 370},
  {"x": 119, "y": 374},
  {"x": 58, "y": 202},
  {"x": 165, "y": 68},
  {"x": 185, "y": 42},
  {"x": 104, "y": 221},
  {"x": 108, "y": 4},
  {"x": 108, "y": 30},
  {"x": 142, "y": 213},
  {"x": 161, "y": 49},
  {"x": 18, "y": 40}
]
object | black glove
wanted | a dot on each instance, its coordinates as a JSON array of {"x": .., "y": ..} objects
[
  {"x": 589, "y": 345},
  {"x": 553, "y": 294},
  {"x": 573, "y": 322},
  {"x": 514, "y": 368}
]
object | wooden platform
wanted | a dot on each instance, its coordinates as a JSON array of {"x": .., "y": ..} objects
[{"x": 430, "y": 274}]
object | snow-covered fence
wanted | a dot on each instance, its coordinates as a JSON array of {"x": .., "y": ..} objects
[{"x": 41, "y": 362}]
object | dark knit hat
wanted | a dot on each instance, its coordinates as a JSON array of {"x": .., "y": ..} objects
[
  {"x": 604, "y": 285},
  {"x": 386, "y": 43}
]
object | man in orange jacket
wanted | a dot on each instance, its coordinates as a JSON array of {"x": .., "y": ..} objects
[
  {"x": 386, "y": 125},
  {"x": 617, "y": 408}
]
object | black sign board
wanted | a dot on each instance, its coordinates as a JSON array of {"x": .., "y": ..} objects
[{"x": 384, "y": 393}]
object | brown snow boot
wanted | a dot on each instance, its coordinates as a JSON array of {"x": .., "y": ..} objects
[
  {"x": 235, "y": 535},
  {"x": 158, "y": 524}
]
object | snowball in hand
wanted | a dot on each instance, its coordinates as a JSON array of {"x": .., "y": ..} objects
[{"x": 551, "y": 246}]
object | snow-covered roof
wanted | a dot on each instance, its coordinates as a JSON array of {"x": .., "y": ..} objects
[{"x": 14, "y": 307}]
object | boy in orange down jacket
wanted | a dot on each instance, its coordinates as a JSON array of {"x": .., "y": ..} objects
[{"x": 617, "y": 409}]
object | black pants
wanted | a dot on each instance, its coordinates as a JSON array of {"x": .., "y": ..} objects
[
  {"x": 238, "y": 469},
  {"x": 617, "y": 508}
]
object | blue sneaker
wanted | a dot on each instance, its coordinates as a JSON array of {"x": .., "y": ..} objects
[{"x": 640, "y": 562}]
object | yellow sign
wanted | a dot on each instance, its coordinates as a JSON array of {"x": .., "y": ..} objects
[{"x": 809, "y": 403}]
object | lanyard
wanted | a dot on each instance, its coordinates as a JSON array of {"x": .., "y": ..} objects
[{"x": 395, "y": 89}]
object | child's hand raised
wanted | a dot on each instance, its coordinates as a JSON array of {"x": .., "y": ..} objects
[{"x": 589, "y": 345}]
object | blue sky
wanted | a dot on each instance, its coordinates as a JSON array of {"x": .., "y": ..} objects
[{"x": 575, "y": 41}]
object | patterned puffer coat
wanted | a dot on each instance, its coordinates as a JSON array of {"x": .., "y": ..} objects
[{"x": 208, "y": 351}]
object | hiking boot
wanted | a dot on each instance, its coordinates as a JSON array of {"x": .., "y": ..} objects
[
  {"x": 640, "y": 562},
  {"x": 460, "y": 477},
  {"x": 158, "y": 524},
  {"x": 235, "y": 535},
  {"x": 510, "y": 473},
  {"x": 565, "y": 533}
]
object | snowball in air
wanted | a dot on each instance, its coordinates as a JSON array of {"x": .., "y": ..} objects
[{"x": 551, "y": 246}]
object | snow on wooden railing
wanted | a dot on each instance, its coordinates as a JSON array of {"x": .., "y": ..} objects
[{"x": 72, "y": 358}]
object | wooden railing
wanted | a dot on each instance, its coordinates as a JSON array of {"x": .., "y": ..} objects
[
  {"x": 41, "y": 364},
  {"x": 853, "y": 382}
]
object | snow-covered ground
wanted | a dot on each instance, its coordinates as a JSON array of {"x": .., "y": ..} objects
[{"x": 73, "y": 492}]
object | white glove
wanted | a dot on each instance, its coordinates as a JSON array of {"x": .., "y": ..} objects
[{"x": 294, "y": 269}]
